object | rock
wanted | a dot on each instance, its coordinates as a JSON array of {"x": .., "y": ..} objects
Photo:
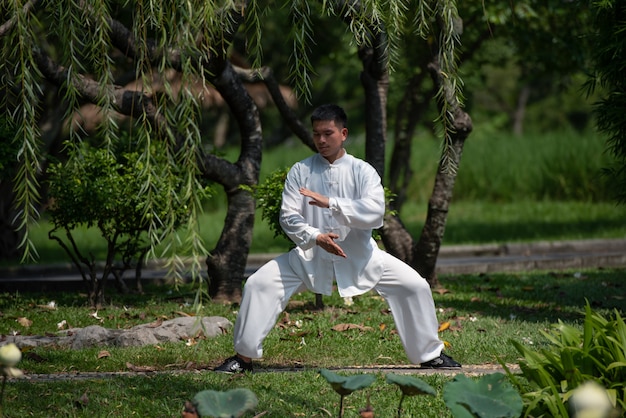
[
  {"x": 136, "y": 338},
  {"x": 91, "y": 336},
  {"x": 173, "y": 330},
  {"x": 189, "y": 327}
]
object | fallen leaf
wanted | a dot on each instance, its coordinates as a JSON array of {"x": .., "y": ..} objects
[
  {"x": 299, "y": 333},
  {"x": 475, "y": 299},
  {"x": 190, "y": 411},
  {"x": 184, "y": 313},
  {"x": 82, "y": 401},
  {"x": 103, "y": 354},
  {"x": 50, "y": 305},
  {"x": 367, "y": 412},
  {"x": 382, "y": 326},
  {"x": 443, "y": 326},
  {"x": 456, "y": 327},
  {"x": 441, "y": 290},
  {"x": 25, "y": 322},
  {"x": 345, "y": 327},
  {"x": 528, "y": 288},
  {"x": 286, "y": 319},
  {"x": 155, "y": 324},
  {"x": 134, "y": 368},
  {"x": 95, "y": 315},
  {"x": 62, "y": 324}
]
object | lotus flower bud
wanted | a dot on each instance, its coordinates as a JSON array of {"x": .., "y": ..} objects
[
  {"x": 10, "y": 355},
  {"x": 590, "y": 400}
]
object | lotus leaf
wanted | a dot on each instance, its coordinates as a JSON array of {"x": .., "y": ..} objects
[
  {"x": 410, "y": 385},
  {"x": 230, "y": 404},
  {"x": 490, "y": 397},
  {"x": 345, "y": 385}
]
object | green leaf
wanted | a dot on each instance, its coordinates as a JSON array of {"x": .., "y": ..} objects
[
  {"x": 410, "y": 385},
  {"x": 345, "y": 385},
  {"x": 490, "y": 396},
  {"x": 232, "y": 403}
]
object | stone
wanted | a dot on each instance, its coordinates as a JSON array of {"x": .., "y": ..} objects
[
  {"x": 91, "y": 336},
  {"x": 136, "y": 338},
  {"x": 173, "y": 330}
]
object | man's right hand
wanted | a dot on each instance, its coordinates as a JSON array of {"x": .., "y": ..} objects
[{"x": 327, "y": 242}]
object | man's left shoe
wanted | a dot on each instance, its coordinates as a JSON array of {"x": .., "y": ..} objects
[{"x": 442, "y": 362}]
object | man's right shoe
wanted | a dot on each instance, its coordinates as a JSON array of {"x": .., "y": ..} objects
[{"x": 234, "y": 364}]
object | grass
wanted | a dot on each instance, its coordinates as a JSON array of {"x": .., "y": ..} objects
[{"x": 483, "y": 313}]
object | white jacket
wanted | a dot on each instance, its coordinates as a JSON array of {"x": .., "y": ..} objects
[{"x": 357, "y": 205}]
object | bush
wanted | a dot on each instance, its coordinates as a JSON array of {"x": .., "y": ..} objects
[
  {"x": 595, "y": 354},
  {"x": 96, "y": 188}
]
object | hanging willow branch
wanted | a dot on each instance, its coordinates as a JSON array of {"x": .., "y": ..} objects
[{"x": 449, "y": 94}]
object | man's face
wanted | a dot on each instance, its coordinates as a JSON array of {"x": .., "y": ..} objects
[{"x": 328, "y": 139}]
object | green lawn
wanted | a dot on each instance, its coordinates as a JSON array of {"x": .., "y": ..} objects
[{"x": 484, "y": 312}]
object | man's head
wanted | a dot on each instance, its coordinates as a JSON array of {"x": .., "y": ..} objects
[
  {"x": 329, "y": 112},
  {"x": 329, "y": 131}
]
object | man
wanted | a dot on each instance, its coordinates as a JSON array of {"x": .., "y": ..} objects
[{"x": 331, "y": 202}]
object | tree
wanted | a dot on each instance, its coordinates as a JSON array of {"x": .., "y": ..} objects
[
  {"x": 537, "y": 46},
  {"x": 90, "y": 47},
  {"x": 608, "y": 63}
]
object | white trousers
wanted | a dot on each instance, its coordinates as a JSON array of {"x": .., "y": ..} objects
[{"x": 267, "y": 292}]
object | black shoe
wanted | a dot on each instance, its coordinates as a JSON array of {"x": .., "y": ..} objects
[
  {"x": 441, "y": 362},
  {"x": 234, "y": 364}
]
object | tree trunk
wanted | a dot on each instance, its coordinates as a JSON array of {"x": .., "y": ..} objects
[
  {"x": 375, "y": 81},
  {"x": 226, "y": 264},
  {"x": 426, "y": 250},
  {"x": 409, "y": 113},
  {"x": 520, "y": 111},
  {"x": 396, "y": 239}
]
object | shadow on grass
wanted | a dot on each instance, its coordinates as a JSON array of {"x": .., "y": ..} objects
[{"x": 536, "y": 296}]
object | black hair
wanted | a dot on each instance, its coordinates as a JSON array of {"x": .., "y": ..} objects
[{"x": 330, "y": 112}]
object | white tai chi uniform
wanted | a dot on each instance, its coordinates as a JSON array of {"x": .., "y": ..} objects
[{"x": 357, "y": 205}]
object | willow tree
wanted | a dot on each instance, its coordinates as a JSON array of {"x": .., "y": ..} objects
[
  {"x": 608, "y": 63},
  {"x": 85, "y": 50}
]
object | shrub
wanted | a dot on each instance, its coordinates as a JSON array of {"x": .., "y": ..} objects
[
  {"x": 97, "y": 188},
  {"x": 574, "y": 357}
]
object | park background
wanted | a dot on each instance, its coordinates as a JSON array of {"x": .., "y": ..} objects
[{"x": 531, "y": 169}]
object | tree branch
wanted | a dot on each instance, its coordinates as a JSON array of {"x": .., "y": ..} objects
[
  {"x": 8, "y": 25},
  {"x": 125, "y": 101},
  {"x": 124, "y": 40},
  {"x": 266, "y": 75}
]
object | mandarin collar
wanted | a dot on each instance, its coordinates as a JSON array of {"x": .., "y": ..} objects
[{"x": 339, "y": 161}]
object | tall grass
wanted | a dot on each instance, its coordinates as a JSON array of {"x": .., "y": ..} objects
[{"x": 562, "y": 166}]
